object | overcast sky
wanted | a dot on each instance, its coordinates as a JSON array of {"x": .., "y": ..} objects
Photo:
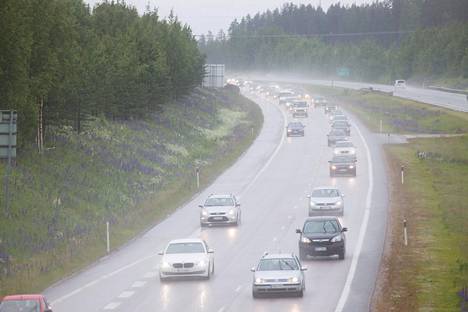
[{"x": 205, "y": 15}]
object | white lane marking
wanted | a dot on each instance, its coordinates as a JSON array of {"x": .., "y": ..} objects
[
  {"x": 112, "y": 306},
  {"x": 150, "y": 275},
  {"x": 238, "y": 288},
  {"x": 282, "y": 228},
  {"x": 104, "y": 277},
  {"x": 222, "y": 309},
  {"x": 138, "y": 284},
  {"x": 352, "y": 270},
  {"x": 126, "y": 294},
  {"x": 275, "y": 239},
  {"x": 272, "y": 156}
]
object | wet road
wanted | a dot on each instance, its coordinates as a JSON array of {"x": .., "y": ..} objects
[{"x": 272, "y": 180}]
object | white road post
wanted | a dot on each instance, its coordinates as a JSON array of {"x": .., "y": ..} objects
[
  {"x": 381, "y": 126},
  {"x": 107, "y": 237},
  {"x": 405, "y": 232},
  {"x": 198, "y": 178},
  {"x": 402, "y": 174}
]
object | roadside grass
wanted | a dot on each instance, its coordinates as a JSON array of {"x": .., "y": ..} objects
[
  {"x": 428, "y": 273},
  {"x": 132, "y": 174},
  {"x": 398, "y": 115}
]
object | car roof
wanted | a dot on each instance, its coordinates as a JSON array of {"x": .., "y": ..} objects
[
  {"x": 23, "y": 297},
  {"x": 220, "y": 196},
  {"x": 322, "y": 218},
  {"x": 278, "y": 255},
  {"x": 186, "y": 240}
]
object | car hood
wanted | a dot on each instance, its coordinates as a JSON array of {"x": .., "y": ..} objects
[
  {"x": 325, "y": 200},
  {"x": 189, "y": 257},
  {"x": 348, "y": 162},
  {"x": 212, "y": 209},
  {"x": 277, "y": 274},
  {"x": 320, "y": 235}
]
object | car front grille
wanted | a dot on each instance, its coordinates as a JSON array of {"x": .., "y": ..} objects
[
  {"x": 276, "y": 280},
  {"x": 183, "y": 265},
  {"x": 217, "y": 213}
]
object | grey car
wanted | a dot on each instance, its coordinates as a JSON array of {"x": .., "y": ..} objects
[
  {"x": 220, "y": 209},
  {"x": 336, "y": 135},
  {"x": 326, "y": 201},
  {"x": 278, "y": 274}
]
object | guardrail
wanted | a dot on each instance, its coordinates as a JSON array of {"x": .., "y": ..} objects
[{"x": 448, "y": 90}]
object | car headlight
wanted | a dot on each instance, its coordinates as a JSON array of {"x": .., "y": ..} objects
[
  {"x": 352, "y": 152},
  {"x": 231, "y": 212},
  {"x": 289, "y": 130},
  {"x": 312, "y": 203},
  {"x": 351, "y": 167},
  {"x": 165, "y": 265},
  {"x": 293, "y": 280},
  {"x": 202, "y": 263},
  {"x": 204, "y": 212},
  {"x": 338, "y": 203},
  {"x": 336, "y": 152},
  {"x": 336, "y": 239},
  {"x": 258, "y": 280},
  {"x": 333, "y": 167},
  {"x": 305, "y": 239}
]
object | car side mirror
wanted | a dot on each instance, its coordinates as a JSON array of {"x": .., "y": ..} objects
[
  {"x": 252, "y": 269},
  {"x": 200, "y": 206},
  {"x": 210, "y": 251},
  {"x": 237, "y": 205},
  {"x": 161, "y": 253},
  {"x": 298, "y": 231},
  {"x": 345, "y": 229},
  {"x": 303, "y": 268}
]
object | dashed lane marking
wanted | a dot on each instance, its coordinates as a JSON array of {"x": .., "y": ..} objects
[
  {"x": 138, "y": 284},
  {"x": 112, "y": 306},
  {"x": 126, "y": 294}
]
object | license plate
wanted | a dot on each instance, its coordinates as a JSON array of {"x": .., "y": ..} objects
[
  {"x": 218, "y": 218},
  {"x": 276, "y": 286},
  {"x": 320, "y": 248}
]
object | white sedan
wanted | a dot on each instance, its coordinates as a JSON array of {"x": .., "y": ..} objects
[
  {"x": 185, "y": 258},
  {"x": 344, "y": 148}
]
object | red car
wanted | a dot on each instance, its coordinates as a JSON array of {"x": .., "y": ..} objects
[{"x": 25, "y": 303}]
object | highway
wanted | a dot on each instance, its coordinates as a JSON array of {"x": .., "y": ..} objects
[
  {"x": 272, "y": 180},
  {"x": 454, "y": 101}
]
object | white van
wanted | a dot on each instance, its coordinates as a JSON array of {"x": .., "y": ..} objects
[{"x": 400, "y": 84}]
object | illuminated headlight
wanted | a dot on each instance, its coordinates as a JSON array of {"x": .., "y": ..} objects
[
  {"x": 259, "y": 280},
  {"x": 351, "y": 167},
  {"x": 289, "y": 130},
  {"x": 231, "y": 212},
  {"x": 294, "y": 280},
  {"x": 336, "y": 239},
  {"x": 334, "y": 167},
  {"x": 337, "y": 152},
  {"x": 165, "y": 265},
  {"x": 352, "y": 152},
  {"x": 305, "y": 239},
  {"x": 312, "y": 203},
  {"x": 202, "y": 263},
  {"x": 338, "y": 203},
  {"x": 204, "y": 212}
]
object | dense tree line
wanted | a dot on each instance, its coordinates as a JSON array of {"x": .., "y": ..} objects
[
  {"x": 380, "y": 41},
  {"x": 61, "y": 61}
]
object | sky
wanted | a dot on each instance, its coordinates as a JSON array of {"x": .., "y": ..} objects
[{"x": 205, "y": 15}]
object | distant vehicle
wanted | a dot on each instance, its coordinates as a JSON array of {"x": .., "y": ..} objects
[
  {"x": 295, "y": 129},
  {"x": 326, "y": 201},
  {"x": 320, "y": 101},
  {"x": 278, "y": 274},
  {"x": 342, "y": 125},
  {"x": 336, "y": 135},
  {"x": 220, "y": 209},
  {"x": 285, "y": 96},
  {"x": 300, "y": 108},
  {"x": 336, "y": 117},
  {"x": 25, "y": 303},
  {"x": 400, "y": 84},
  {"x": 343, "y": 166},
  {"x": 330, "y": 107},
  {"x": 344, "y": 148},
  {"x": 322, "y": 236},
  {"x": 186, "y": 258}
]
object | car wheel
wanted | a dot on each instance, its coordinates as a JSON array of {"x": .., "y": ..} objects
[
  {"x": 329, "y": 144},
  {"x": 202, "y": 224},
  {"x": 300, "y": 293},
  {"x": 162, "y": 279},
  {"x": 255, "y": 294},
  {"x": 302, "y": 255},
  {"x": 212, "y": 269},
  {"x": 341, "y": 255},
  {"x": 332, "y": 174},
  {"x": 208, "y": 275}
]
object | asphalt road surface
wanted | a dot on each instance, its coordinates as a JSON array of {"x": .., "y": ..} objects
[
  {"x": 454, "y": 101},
  {"x": 272, "y": 180}
]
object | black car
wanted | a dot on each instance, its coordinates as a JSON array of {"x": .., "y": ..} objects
[
  {"x": 295, "y": 129},
  {"x": 322, "y": 236},
  {"x": 342, "y": 125},
  {"x": 343, "y": 165},
  {"x": 336, "y": 135}
]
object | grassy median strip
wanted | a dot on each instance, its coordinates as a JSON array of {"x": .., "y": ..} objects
[
  {"x": 131, "y": 173},
  {"x": 431, "y": 272}
]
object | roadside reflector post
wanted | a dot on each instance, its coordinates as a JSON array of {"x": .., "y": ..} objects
[
  {"x": 252, "y": 131},
  {"x": 198, "y": 177},
  {"x": 402, "y": 174},
  {"x": 107, "y": 237},
  {"x": 405, "y": 232},
  {"x": 381, "y": 126}
]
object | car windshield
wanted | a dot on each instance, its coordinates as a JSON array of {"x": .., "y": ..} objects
[
  {"x": 219, "y": 201},
  {"x": 325, "y": 193},
  {"x": 339, "y": 159},
  {"x": 337, "y": 133},
  {"x": 279, "y": 264},
  {"x": 321, "y": 227},
  {"x": 340, "y": 117},
  {"x": 295, "y": 125},
  {"x": 178, "y": 248},
  {"x": 300, "y": 104},
  {"x": 20, "y": 306},
  {"x": 344, "y": 144}
]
